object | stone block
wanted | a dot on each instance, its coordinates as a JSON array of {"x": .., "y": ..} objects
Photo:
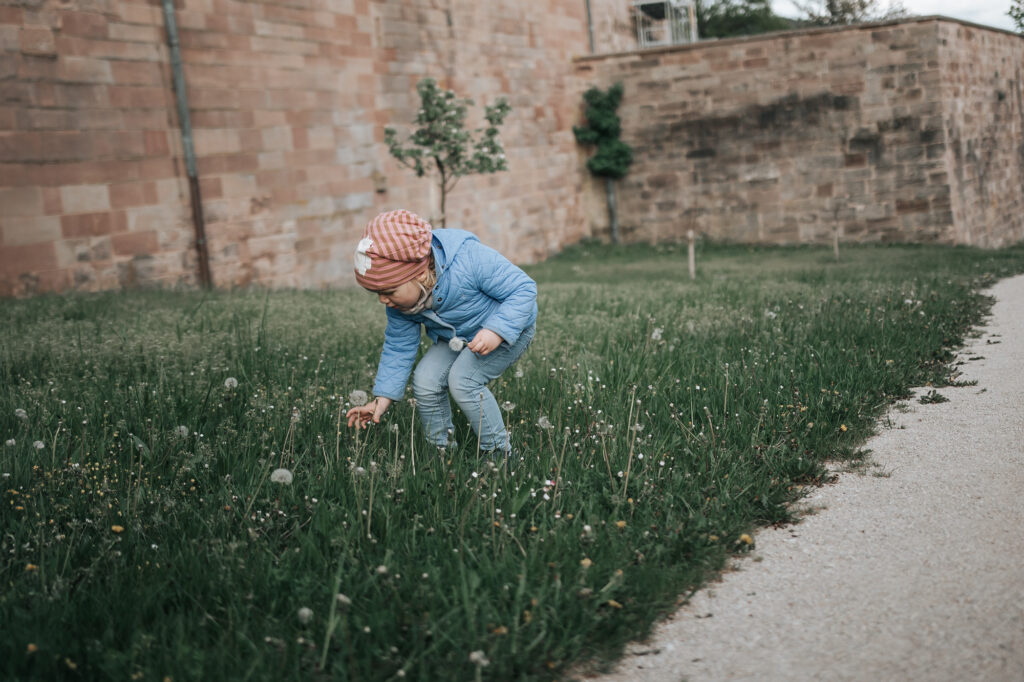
[
  {"x": 85, "y": 198},
  {"x": 20, "y": 231}
]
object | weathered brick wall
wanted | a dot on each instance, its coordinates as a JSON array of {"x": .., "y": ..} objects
[
  {"x": 782, "y": 138},
  {"x": 982, "y": 75},
  {"x": 289, "y": 100}
]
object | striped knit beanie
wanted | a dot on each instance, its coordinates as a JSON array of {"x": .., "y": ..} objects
[{"x": 394, "y": 250}]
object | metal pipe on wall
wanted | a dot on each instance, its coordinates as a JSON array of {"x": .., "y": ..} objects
[{"x": 185, "y": 121}]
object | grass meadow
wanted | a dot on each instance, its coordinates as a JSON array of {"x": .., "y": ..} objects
[{"x": 657, "y": 423}]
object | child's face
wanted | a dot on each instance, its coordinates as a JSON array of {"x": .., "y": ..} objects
[{"x": 403, "y": 297}]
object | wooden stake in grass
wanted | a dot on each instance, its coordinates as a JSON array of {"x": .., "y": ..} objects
[{"x": 691, "y": 255}]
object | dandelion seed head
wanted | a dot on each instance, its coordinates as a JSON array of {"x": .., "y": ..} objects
[
  {"x": 479, "y": 659},
  {"x": 231, "y": 383},
  {"x": 382, "y": 570},
  {"x": 39, "y": 445},
  {"x": 358, "y": 398},
  {"x": 545, "y": 423},
  {"x": 456, "y": 344},
  {"x": 282, "y": 476},
  {"x": 656, "y": 334},
  {"x": 305, "y": 615},
  {"x": 343, "y": 601},
  {"x": 21, "y": 414},
  {"x": 10, "y": 442}
]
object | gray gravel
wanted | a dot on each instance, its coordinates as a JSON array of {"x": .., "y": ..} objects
[{"x": 909, "y": 570}]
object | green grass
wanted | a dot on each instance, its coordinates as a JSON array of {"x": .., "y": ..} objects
[{"x": 684, "y": 414}]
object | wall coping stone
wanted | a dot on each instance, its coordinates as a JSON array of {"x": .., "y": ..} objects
[{"x": 774, "y": 35}]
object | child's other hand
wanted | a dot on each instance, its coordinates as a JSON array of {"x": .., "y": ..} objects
[
  {"x": 372, "y": 411},
  {"x": 484, "y": 342}
]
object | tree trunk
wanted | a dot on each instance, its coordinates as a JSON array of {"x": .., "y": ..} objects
[
  {"x": 444, "y": 197},
  {"x": 613, "y": 214}
]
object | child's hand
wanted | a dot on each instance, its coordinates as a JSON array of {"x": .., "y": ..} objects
[
  {"x": 362, "y": 415},
  {"x": 484, "y": 342}
]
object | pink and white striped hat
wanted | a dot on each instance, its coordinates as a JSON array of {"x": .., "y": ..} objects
[{"x": 394, "y": 250}]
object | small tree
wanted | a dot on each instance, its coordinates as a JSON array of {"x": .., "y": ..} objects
[
  {"x": 442, "y": 142},
  {"x": 728, "y": 18},
  {"x": 1016, "y": 13},
  {"x": 613, "y": 156},
  {"x": 843, "y": 12}
]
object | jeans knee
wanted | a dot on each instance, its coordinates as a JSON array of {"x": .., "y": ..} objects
[
  {"x": 426, "y": 387},
  {"x": 465, "y": 387}
]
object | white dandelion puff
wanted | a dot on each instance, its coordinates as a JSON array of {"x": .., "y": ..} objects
[
  {"x": 181, "y": 431},
  {"x": 358, "y": 398},
  {"x": 656, "y": 334},
  {"x": 358, "y": 472},
  {"x": 343, "y": 601},
  {"x": 545, "y": 423},
  {"x": 231, "y": 383},
  {"x": 479, "y": 659},
  {"x": 21, "y": 414},
  {"x": 507, "y": 406},
  {"x": 519, "y": 372},
  {"x": 456, "y": 344},
  {"x": 305, "y": 615},
  {"x": 39, "y": 445},
  {"x": 282, "y": 476},
  {"x": 770, "y": 314},
  {"x": 382, "y": 570},
  {"x": 10, "y": 442},
  {"x": 296, "y": 415}
]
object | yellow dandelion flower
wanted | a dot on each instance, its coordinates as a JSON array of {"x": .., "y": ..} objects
[
  {"x": 70, "y": 664},
  {"x": 117, "y": 529},
  {"x": 586, "y": 563},
  {"x": 620, "y": 524},
  {"x": 31, "y": 648},
  {"x": 713, "y": 538},
  {"x": 31, "y": 567},
  {"x": 614, "y": 604},
  {"x": 842, "y": 427},
  {"x": 746, "y": 539}
]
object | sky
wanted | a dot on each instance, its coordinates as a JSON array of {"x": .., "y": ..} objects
[{"x": 986, "y": 12}]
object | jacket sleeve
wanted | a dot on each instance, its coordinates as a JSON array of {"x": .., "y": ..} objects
[
  {"x": 401, "y": 342},
  {"x": 511, "y": 287}
]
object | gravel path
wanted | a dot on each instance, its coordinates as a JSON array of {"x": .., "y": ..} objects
[{"x": 910, "y": 570}]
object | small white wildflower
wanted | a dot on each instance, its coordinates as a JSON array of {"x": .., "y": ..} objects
[
  {"x": 21, "y": 414},
  {"x": 305, "y": 615},
  {"x": 545, "y": 423},
  {"x": 343, "y": 601},
  {"x": 519, "y": 372},
  {"x": 358, "y": 398},
  {"x": 358, "y": 472},
  {"x": 908, "y": 301},
  {"x": 10, "y": 442},
  {"x": 382, "y": 570},
  {"x": 507, "y": 406},
  {"x": 282, "y": 476},
  {"x": 656, "y": 334},
  {"x": 182, "y": 431},
  {"x": 456, "y": 344},
  {"x": 479, "y": 659},
  {"x": 296, "y": 415},
  {"x": 39, "y": 445},
  {"x": 770, "y": 314},
  {"x": 231, "y": 383}
]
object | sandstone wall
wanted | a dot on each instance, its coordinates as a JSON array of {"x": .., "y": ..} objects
[
  {"x": 784, "y": 137},
  {"x": 983, "y": 93},
  {"x": 289, "y": 100}
]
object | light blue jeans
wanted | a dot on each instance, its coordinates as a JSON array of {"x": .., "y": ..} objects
[{"x": 466, "y": 375}]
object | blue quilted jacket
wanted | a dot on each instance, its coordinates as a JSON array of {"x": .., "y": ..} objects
[{"x": 477, "y": 288}]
